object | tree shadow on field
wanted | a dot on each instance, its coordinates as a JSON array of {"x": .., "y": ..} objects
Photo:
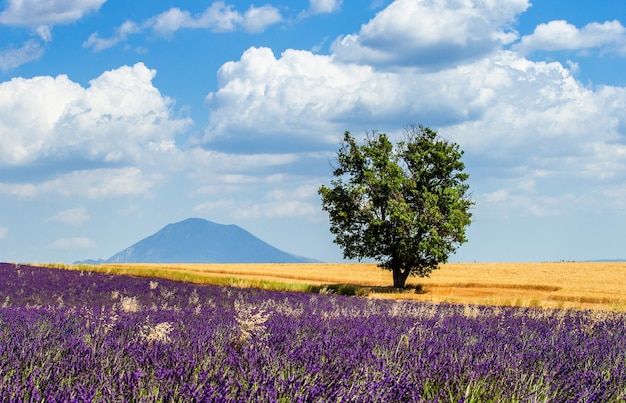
[{"x": 364, "y": 290}]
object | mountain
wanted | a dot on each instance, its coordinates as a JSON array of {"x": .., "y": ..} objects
[
  {"x": 608, "y": 260},
  {"x": 195, "y": 240}
]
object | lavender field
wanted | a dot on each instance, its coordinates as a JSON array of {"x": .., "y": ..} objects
[{"x": 83, "y": 336}]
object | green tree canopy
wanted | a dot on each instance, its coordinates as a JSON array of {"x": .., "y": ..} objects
[{"x": 406, "y": 206}]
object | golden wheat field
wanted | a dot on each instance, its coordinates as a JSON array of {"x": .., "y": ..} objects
[{"x": 578, "y": 285}]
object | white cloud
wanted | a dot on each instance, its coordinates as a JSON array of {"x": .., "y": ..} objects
[
  {"x": 273, "y": 209},
  {"x": 22, "y": 138},
  {"x": 212, "y": 206},
  {"x": 218, "y": 17},
  {"x": 197, "y": 162},
  {"x": 298, "y": 97},
  {"x": 116, "y": 119},
  {"x": 520, "y": 203},
  {"x": 539, "y": 108},
  {"x": 321, "y": 7},
  {"x": 44, "y": 32},
  {"x": 504, "y": 107},
  {"x": 12, "y": 58},
  {"x": 431, "y": 33},
  {"x": 3, "y": 232},
  {"x": 325, "y": 6},
  {"x": 303, "y": 98},
  {"x": 121, "y": 34},
  {"x": 561, "y": 35},
  {"x": 572, "y": 66},
  {"x": 88, "y": 184},
  {"x": 73, "y": 243},
  {"x": 256, "y": 19},
  {"x": 40, "y": 16},
  {"x": 72, "y": 216},
  {"x": 305, "y": 191},
  {"x": 526, "y": 116},
  {"x": 104, "y": 183},
  {"x": 287, "y": 202},
  {"x": 46, "y": 12},
  {"x": 221, "y": 182}
]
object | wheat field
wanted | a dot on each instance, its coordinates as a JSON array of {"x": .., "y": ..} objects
[{"x": 577, "y": 285}]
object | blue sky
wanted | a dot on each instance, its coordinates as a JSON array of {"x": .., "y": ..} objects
[{"x": 118, "y": 117}]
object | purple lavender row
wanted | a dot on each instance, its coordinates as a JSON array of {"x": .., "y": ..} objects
[{"x": 72, "y": 336}]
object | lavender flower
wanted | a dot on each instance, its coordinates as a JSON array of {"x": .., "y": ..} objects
[{"x": 206, "y": 343}]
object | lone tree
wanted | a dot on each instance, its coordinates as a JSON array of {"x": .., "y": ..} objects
[{"x": 405, "y": 206}]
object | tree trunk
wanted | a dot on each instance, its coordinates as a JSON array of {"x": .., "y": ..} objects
[{"x": 399, "y": 277}]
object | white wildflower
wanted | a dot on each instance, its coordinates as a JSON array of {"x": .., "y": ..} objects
[
  {"x": 158, "y": 333},
  {"x": 129, "y": 304},
  {"x": 194, "y": 298},
  {"x": 251, "y": 323},
  {"x": 109, "y": 321},
  {"x": 165, "y": 294}
]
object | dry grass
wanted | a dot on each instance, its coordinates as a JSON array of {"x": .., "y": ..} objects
[
  {"x": 551, "y": 285},
  {"x": 554, "y": 285}
]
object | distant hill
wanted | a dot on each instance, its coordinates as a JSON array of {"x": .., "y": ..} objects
[
  {"x": 196, "y": 240},
  {"x": 608, "y": 260}
]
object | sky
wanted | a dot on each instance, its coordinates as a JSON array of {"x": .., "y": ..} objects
[{"x": 120, "y": 117}]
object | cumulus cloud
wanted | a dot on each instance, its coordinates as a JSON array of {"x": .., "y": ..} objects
[
  {"x": 73, "y": 243},
  {"x": 121, "y": 34},
  {"x": 303, "y": 101},
  {"x": 325, "y": 6},
  {"x": 40, "y": 16},
  {"x": 12, "y": 58},
  {"x": 72, "y": 216},
  {"x": 561, "y": 35},
  {"x": 119, "y": 117},
  {"x": 293, "y": 102},
  {"x": 46, "y": 12},
  {"x": 256, "y": 19},
  {"x": 218, "y": 17},
  {"x": 431, "y": 33},
  {"x": 539, "y": 108},
  {"x": 90, "y": 184},
  {"x": 310, "y": 95},
  {"x": 544, "y": 128},
  {"x": 110, "y": 139},
  {"x": 321, "y": 7}
]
